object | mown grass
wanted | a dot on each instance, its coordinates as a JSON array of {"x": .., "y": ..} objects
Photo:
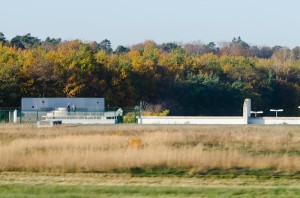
[
  {"x": 14, "y": 184},
  {"x": 141, "y": 191}
]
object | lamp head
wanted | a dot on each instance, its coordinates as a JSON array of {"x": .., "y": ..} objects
[
  {"x": 256, "y": 112},
  {"x": 276, "y": 110}
]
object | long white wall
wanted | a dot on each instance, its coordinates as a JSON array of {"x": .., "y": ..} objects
[
  {"x": 226, "y": 120},
  {"x": 218, "y": 120},
  {"x": 190, "y": 120},
  {"x": 275, "y": 120}
]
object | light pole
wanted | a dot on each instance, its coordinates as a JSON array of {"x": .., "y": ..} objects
[
  {"x": 136, "y": 108},
  {"x": 276, "y": 110},
  {"x": 256, "y": 112},
  {"x": 141, "y": 104}
]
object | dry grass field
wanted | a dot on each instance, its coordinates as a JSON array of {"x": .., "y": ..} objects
[
  {"x": 122, "y": 147},
  {"x": 149, "y": 161}
]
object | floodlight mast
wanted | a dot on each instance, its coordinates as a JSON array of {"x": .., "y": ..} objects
[
  {"x": 256, "y": 112},
  {"x": 276, "y": 110}
]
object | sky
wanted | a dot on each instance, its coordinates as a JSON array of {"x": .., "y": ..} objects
[{"x": 128, "y": 22}]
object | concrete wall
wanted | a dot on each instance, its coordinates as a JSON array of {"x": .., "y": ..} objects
[
  {"x": 226, "y": 120},
  {"x": 190, "y": 120},
  {"x": 246, "y": 110},
  {"x": 245, "y": 119},
  {"x": 275, "y": 120},
  {"x": 218, "y": 120}
]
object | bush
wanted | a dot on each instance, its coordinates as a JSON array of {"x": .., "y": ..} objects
[{"x": 128, "y": 117}]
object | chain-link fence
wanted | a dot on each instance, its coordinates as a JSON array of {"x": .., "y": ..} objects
[{"x": 7, "y": 115}]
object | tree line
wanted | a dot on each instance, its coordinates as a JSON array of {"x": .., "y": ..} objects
[{"x": 188, "y": 79}]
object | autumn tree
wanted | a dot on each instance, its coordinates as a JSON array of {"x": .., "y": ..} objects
[
  {"x": 10, "y": 64},
  {"x": 40, "y": 78}
]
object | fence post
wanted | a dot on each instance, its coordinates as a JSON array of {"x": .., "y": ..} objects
[
  {"x": 10, "y": 116},
  {"x": 20, "y": 116},
  {"x": 15, "y": 117},
  {"x": 134, "y": 116}
]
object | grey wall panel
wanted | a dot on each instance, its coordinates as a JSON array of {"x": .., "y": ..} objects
[{"x": 84, "y": 104}]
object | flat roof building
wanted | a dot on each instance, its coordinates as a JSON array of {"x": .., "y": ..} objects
[{"x": 46, "y": 104}]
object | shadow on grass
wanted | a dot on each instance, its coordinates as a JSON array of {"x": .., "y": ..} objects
[{"x": 159, "y": 171}]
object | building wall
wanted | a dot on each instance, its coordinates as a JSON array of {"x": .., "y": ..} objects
[{"x": 40, "y": 104}]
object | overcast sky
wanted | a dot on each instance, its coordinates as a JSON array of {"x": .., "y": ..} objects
[{"x": 126, "y": 22}]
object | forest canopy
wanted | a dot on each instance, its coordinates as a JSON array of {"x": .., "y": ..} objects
[{"x": 188, "y": 79}]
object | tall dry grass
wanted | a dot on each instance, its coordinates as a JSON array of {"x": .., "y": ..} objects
[{"x": 106, "y": 148}]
